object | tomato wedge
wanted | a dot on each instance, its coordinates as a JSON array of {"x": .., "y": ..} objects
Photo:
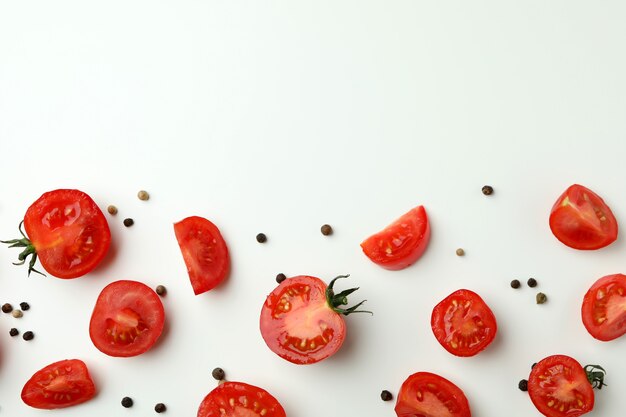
[
  {"x": 59, "y": 385},
  {"x": 558, "y": 387},
  {"x": 581, "y": 220},
  {"x": 604, "y": 308},
  {"x": 127, "y": 320},
  {"x": 204, "y": 251},
  {"x": 236, "y": 399},
  {"x": 401, "y": 243},
  {"x": 429, "y": 395},
  {"x": 301, "y": 320},
  {"x": 463, "y": 323},
  {"x": 67, "y": 231}
]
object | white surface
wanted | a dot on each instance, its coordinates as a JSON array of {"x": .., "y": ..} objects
[{"x": 281, "y": 116}]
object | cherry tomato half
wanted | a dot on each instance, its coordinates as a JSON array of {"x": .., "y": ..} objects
[
  {"x": 127, "y": 319},
  {"x": 430, "y": 395},
  {"x": 236, "y": 399},
  {"x": 581, "y": 220},
  {"x": 401, "y": 243},
  {"x": 67, "y": 231},
  {"x": 59, "y": 385},
  {"x": 558, "y": 387},
  {"x": 604, "y": 308},
  {"x": 204, "y": 251},
  {"x": 463, "y": 323}
]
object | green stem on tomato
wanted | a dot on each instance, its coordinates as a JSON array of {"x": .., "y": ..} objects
[
  {"x": 595, "y": 375},
  {"x": 337, "y": 300},
  {"x": 29, "y": 250}
]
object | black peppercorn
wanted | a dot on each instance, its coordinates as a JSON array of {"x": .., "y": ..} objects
[
  {"x": 326, "y": 230},
  {"x": 128, "y": 222},
  {"x": 515, "y": 283},
  {"x": 386, "y": 395},
  {"x": 13, "y": 332},
  {"x": 7, "y": 308},
  {"x": 28, "y": 335},
  {"x": 161, "y": 290},
  {"x": 523, "y": 385},
  {"x": 261, "y": 238},
  {"x": 24, "y": 306},
  {"x": 280, "y": 278},
  {"x": 533, "y": 365},
  {"x": 127, "y": 402},
  {"x": 532, "y": 282},
  {"x": 487, "y": 190},
  {"x": 160, "y": 407},
  {"x": 218, "y": 373}
]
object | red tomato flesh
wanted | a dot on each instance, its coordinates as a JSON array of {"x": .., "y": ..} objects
[
  {"x": 236, "y": 399},
  {"x": 59, "y": 385},
  {"x": 463, "y": 323},
  {"x": 558, "y": 387},
  {"x": 204, "y": 251},
  {"x": 401, "y": 243},
  {"x": 604, "y": 308},
  {"x": 429, "y": 395},
  {"x": 127, "y": 320},
  {"x": 581, "y": 220}
]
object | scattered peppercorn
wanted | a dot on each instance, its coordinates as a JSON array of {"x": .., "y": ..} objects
[
  {"x": 127, "y": 402},
  {"x": 14, "y": 332},
  {"x": 218, "y": 373},
  {"x": 386, "y": 395},
  {"x": 523, "y": 385},
  {"x": 160, "y": 407},
  {"x": 161, "y": 290},
  {"x": 487, "y": 190},
  {"x": 533, "y": 365},
  {"x": 281, "y": 277},
  {"x": 112, "y": 210},
  {"x": 460, "y": 252},
  {"x": 541, "y": 298},
  {"x": 532, "y": 282},
  {"x": 28, "y": 335},
  {"x": 143, "y": 195},
  {"x": 128, "y": 222},
  {"x": 7, "y": 308},
  {"x": 17, "y": 314},
  {"x": 24, "y": 306},
  {"x": 515, "y": 283},
  {"x": 326, "y": 230},
  {"x": 261, "y": 238}
]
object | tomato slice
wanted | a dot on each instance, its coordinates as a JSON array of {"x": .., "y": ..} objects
[
  {"x": 204, "y": 251},
  {"x": 401, "y": 243},
  {"x": 429, "y": 395},
  {"x": 236, "y": 399},
  {"x": 604, "y": 308},
  {"x": 463, "y": 323},
  {"x": 581, "y": 220},
  {"x": 59, "y": 385},
  {"x": 558, "y": 387},
  {"x": 127, "y": 319}
]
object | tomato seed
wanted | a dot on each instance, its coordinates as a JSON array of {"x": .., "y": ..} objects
[
  {"x": 160, "y": 407},
  {"x": 281, "y": 277},
  {"x": 128, "y": 222},
  {"x": 161, "y": 290},
  {"x": 523, "y": 385},
  {"x": 515, "y": 283},
  {"x": 143, "y": 195},
  {"x": 17, "y": 314},
  {"x": 261, "y": 238},
  {"x": 28, "y": 335},
  {"x": 112, "y": 210},
  {"x": 460, "y": 252},
  {"x": 7, "y": 308},
  {"x": 532, "y": 282},
  {"x": 219, "y": 374},
  {"x": 24, "y": 306},
  {"x": 541, "y": 298},
  {"x": 326, "y": 230},
  {"x": 386, "y": 395},
  {"x": 127, "y": 402},
  {"x": 14, "y": 332},
  {"x": 487, "y": 190}
]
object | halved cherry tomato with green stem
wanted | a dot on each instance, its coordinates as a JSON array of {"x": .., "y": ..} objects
[
  {"x": 604, "y": 308},
  {"x": 236, "y": 399},
  {"x": 430, "y": 395}
]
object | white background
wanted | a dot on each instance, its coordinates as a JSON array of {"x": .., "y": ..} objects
[{"x": 279, "y": 116}]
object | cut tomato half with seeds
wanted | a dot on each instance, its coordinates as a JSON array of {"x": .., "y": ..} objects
[
  {"x": 604, "y": 308},
  {"x": 236, "y": 399},
  {"x": 127, "y": 320},
  {"x": 424, "y": 394}
]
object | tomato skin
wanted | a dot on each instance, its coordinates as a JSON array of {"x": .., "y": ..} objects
[
  {"x": 69, "y": 232},
  {"x": 463, "y": 323},
  {"x": 401, "y": 243},
  {"x": 127, "y": 319},
  {"x": 560, "y": 380},
  {"x": 297, "y": 311},
  {"x": 50, "y": 387},
  {"x": 248, "y": 401},
  {"x": 581, "y": 220},
  {"x": 429, "y": 395},
  {"x": 604, "y": 308},
  {"x": 204, "y": 251}
]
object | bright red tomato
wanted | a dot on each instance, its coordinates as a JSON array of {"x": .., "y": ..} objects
[
  {"x": 236, "y": 399},
  {"x": 581, "y": 220},
  {"x": 429, "y": 395},
  {"x": 204, "y": 251},
  {"x": 127, "y": 319},
  {"x": 401, "y": 243},
  {"x": 301, "y": 320},
  {"x": 58, "y": 385},
  {"x": 604, "y": 308},
  {"x": 558, "y": 387},
  {"x": 67, "y": 231},
  {"x": 463, "y": 323}
]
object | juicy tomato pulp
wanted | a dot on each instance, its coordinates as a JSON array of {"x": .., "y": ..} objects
[
  {"x": 58, "y": 385},
  {"x": 604, "y": 308},
  {"x": 463, "y": 323},
  {"x": 204, "y": 251},
  {"x": 430, "y": 395},
  {"x": 581, "y": 220},
  {"x": 298, "y": 324},
  {"x": 401, "y": 243},
  {"x": 127, "y": 319},
  {"x": 68, "y": 231},
  {"x": 558, "y": 387},
  {"x": 236, "y": 399}
]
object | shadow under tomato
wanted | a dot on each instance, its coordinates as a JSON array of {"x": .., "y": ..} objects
[{"x": 350, "y": 343}]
